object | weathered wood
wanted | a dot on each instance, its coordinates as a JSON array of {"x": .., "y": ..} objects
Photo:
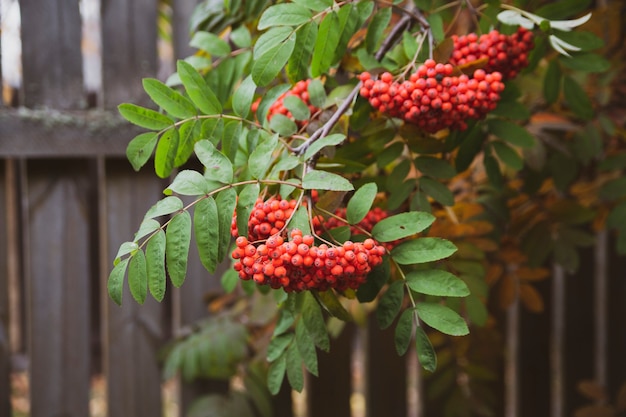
[
  {"x": 133, "y": 333},
  {"x": 47, "y": 133},
  {"x": 129, "y": 49},
  {"x": 600, "y": 298},
  {"x": 58, "y": 288},
  {"x": 557, "y": 343},
  {"x": 5, "y": 351},
  {"x": 51, "y": 54},
  {"x": 386, "y": 374},
  {"x": 330, "y": 393},
  {"x": 511, "y": 361},
  {"x": 181, "y": 16}
]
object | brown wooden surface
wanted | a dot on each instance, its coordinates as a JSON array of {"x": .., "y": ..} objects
[
  {"x": 181, "y": 16},
  {"x": 51, "y": 54},
  {"x": 330, "y": 393},
  {"x": 5, "y": 352},
  {"x": 58, "y": 288},
  {"x": 129, "y": 49},
  {"x": 133, "y": 333},
  {"x": 47, "y": 133}
]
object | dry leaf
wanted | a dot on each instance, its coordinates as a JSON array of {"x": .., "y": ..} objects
[
  {"x": 595, "y": 411},
  {"x": 621, "y": 398},
  {"x": 532, "y": 274},
  {"x": 493, "y": 274},
  {"x": 592, "y": 390},
  {"x": 531, "y": 298},
  {"x": 508, "y": 290}
]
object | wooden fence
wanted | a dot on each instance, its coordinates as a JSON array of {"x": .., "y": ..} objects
[{"x": 69, "y": 199}]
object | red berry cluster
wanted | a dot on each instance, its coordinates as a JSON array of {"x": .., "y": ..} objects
[
  {"x": 299, "y": 265},
  {"x": 433, "y": 98},
  {"x": 300, "y": 90},
  {"x": 505, "y": 54},
  {"x": 372, "y": 217},
  {"x": 267, "y": 218}
]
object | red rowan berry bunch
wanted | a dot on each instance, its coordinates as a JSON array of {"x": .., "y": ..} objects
[
  {"x": 507, "y": 54},
  {"x": 267, "y": 218},
  {"x": 372, "y": 217},
  {"x": 300, "y": 90},
  {"x": 299, "y": 265},
  {"x": 433, "y": 98}
]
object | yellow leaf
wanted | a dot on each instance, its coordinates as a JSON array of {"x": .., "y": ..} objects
[
  {"x": 532, "y": 274},
  {"x": 531, "y": 298}
]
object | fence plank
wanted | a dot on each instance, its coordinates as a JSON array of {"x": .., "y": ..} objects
[
  {"x": 51, "y": 51},
  {"x": 129, "y": 49},
  {"x": 133, "y": 334},
  {"x": 5, "y": 351},
  {"x": 58, "y": 288},
  {"x": 601, "y": 281},
  {"x": 557, "y": 343},
  {"x": 386, "y": 374},
  {"x": 181, "y": 16}
]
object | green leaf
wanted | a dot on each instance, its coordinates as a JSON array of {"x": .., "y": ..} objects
[
  {"x": 165, "y": 154},
  {"x": 613, "y": 162},
  {"x": 190, "y": 182},
  {"x": 440, "y": 192},
  {"x": 476, "y": 310},
  {"x": 115, "y": 283},
  {"x": 404, "y": 331},
  {"x": 245, "y": 204},
  {"x": 325, "y": 45},
  {"x": 169, "y": 99},
  {"x": 329, "y": 301},
  {"x": 177, "y": 240},
  {"x": 155, "y": 265},
  {"x": 376, "y": 29},
  {"x": 348, "y": 22},
  {"x": 442, "y": 318},
  {"x": 436, "y": 282},
  {"x": 422, "y": 250},
  {"x": 226, "y": 202},
  {"x": 376, "y": 279},
  {"x": 267, "y": 66},
  {"x": 402, "y": 225},
  {"x": 278, "y": 345},
  {"x": 206, "y": 229},
  {"x": 617, "y": 217},
  {"x": 189, "y": 133},
  {"x": 294, "y": 368},
  {"x": 586, "y": 62},
  {"x": 197, "y": 89},
  {"x": 148, "y": 226},
  {"x": 268, "y": 99},
  {"x": 471, "y": 145},
  {"x": 577, "y": 99},
  {"x": 315, "y": 5},
  {"x": 144, "y": 117},
  {"x": 425, "y": 351},
  {"x": 242, "y": 98},
  {"x": 296, "y": 106},
  {"x": 436, "y": 25},
  {"x": 562, "y": 9},
  {"x": 261, "y": 158},
  {"x": 508, "y": 155},
  {"x": 283, "y": 125},
  {"x": 361, "y": 203},
  {"x": 389, "y": 304},
  {"x": 168, "y": 205},
  {"x": 217, "y": 166},
  {"x": 273, "y": 37},
  {"x": 613, "y": 189},
  {"x": 330, "y": 140},
  {"x": 552, "y": 82},
  {"x": 513, "y": 110},
  {"x": 492, "y": 167},
  {"x": 314, "y": 321},
  {"x": 241, "y": 37},
  {"x": 140, "y": 148},
  {"x": 298, "y": 64},
  {"x": 389, "y": 154},
  {"x": 586, "y": 41},
  {"x": 211, "y": 43},
  {"x": 287, "y": 14},
  {"x": 434, "y": 167},
  {"x": 324, "y": 180},
  {"x": 300, "y": 221},
  {"x": 276, "y": 374},
  {"x": 317, "y": 94},
  {"x": 511, "y": 133},
  {"x": 138, "y": 277},
  {"x": 229, "y": 281},
  {"x": 306, "y": 348}
]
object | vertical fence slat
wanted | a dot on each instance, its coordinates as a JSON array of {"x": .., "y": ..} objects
[
  {"x": 133, "y": 332},
  {"x": 386, "y": 374},
  {"x": 330, "y": 393},
  {"x": 58, "y": 284},
  {"x": 129, "y": 49},
  {"x": 557, "y": 342},
  {"x": 51, "y": 54},
  {"x": 181, "y": 16},
  {"x": 600, "y": 280},
  {"x": 5, "y": 351},
  {"x": 511, "y": 361}
]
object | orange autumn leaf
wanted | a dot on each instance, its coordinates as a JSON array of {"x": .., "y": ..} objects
[
  {"x": 508, "y": 290},
  {"x": 494, "y": 272},
  {"x": 531, "y": 298},
  {"x": 532, "y": 274}
]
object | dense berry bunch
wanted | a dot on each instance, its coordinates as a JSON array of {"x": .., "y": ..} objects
[
  {"x": 505, "y": 54},
  {"x": 299, "y": 265},
  {"x": 267, "y": 218},
  {"x": 433, "y": 98},
  {"x": 372, "y": 217},
  {"x": 300, "y": 90}
]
